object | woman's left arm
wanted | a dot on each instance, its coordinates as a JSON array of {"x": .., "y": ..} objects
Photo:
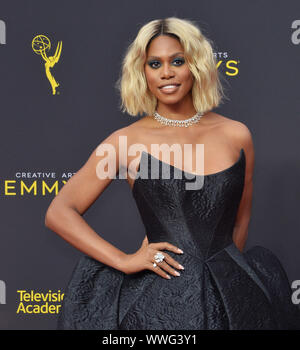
[{"x": 243, "y": 139}]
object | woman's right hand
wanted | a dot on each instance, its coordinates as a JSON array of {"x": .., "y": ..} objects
[{"x": 144, "y": 259}]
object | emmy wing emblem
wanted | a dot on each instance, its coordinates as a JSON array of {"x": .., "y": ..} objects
[{"x": 41, "y": 44}]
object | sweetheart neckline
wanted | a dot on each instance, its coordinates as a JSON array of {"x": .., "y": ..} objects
[{"x": 242, "y": 152}]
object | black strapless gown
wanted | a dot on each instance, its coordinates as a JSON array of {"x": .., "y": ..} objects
[{"x": 221, "y": 288}]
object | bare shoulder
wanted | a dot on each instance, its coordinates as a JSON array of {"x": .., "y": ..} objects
[
  {"x": 237, "y": 132},
  {"x": 132, "y": 128},
  {"x": 144, "y": 123},
  {"x": 140, "y": 130},
  {"x": 123, "y": 138},
  {"x": 120, "y": 136}
]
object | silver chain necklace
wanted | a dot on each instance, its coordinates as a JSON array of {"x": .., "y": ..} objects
[{"x": 173, "y": 122}]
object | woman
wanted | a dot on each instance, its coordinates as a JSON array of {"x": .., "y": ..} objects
[{"x": 169, "y": 71}]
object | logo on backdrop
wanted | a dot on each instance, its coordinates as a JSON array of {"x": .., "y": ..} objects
[
  {"x": 41, "y": 44},
  {"x": 2, "y": 292},
  {"x": 296, "y": 34},
  {"x": 32, "y": 302},
  {"x": 2, "y": 33},
  {"x": 230, "y": 66}
]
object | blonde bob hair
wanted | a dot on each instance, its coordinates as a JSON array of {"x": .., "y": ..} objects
[{"x": 207, "y": 91}]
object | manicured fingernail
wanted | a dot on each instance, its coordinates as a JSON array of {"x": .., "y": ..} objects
[
  {"x": 180, "y": 251},
  {"x": 168, "y": 276},
  {"x": 177, "y": 273},
  {"x": 181, "y": 267}
]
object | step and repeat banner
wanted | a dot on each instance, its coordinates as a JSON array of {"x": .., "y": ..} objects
[{"x": 59, "y": 62}]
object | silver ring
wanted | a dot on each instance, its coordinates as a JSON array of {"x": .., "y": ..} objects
[
  {"x": 159, "y": 257},
  {"x": 154, "y": 264}
]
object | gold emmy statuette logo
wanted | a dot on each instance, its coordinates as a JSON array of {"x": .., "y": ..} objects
[{"x": 41, "y": 44}]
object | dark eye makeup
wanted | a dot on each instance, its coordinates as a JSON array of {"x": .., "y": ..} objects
[{"x": 179, "y": 59}]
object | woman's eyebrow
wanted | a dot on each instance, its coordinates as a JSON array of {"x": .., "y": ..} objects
[{"x": 174, "y": 54}]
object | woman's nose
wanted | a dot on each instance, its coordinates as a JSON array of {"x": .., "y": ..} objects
[{"x": 167, "y": 71}]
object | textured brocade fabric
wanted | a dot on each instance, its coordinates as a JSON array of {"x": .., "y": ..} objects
[{"x": 221, "y": 288}]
